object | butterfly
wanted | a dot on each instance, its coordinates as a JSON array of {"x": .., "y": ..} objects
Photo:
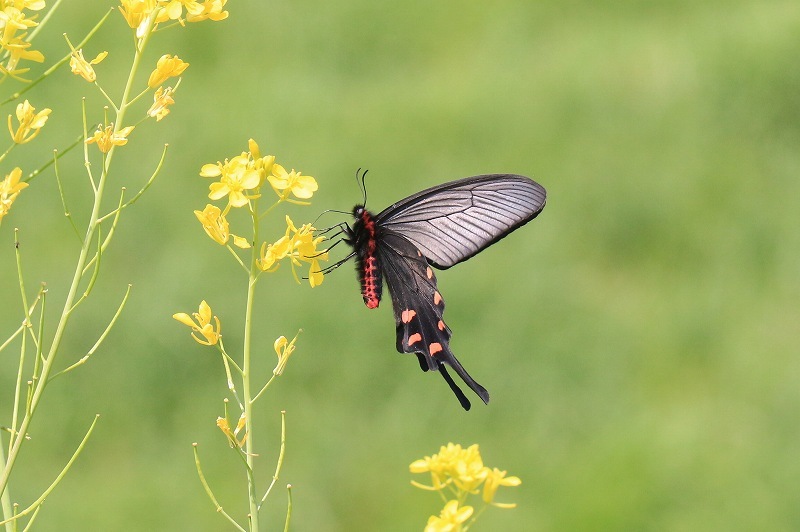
[{"x": 438, "y": 227}]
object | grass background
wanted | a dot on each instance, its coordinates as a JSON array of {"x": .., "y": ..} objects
[{"x": 639, "y": 338}]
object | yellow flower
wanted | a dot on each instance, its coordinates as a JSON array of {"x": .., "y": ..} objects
[
  {"x": 167, "y": 67},
  {"x": 236, "y": 177},
  {"x": 300, "y": 246},
  {"x": 285, "y": 183},
  {"x": 82, "y": 67},
  {"x": 232, "y": 435},
  {"x": 262, "y": 164},
  {"x": 452, "y": 465},
  {"x": 201, "y": 324},
  {"x": 107, "y": 139},
  {"x": 173, "y": 9},
  {"x": 12, "y": 20},
  {"x": 469, "y": 472},
  {"x": 451, "y": 518},
  {"x": 211, "y": 9},
  {"x": 272, "y": 253},
  {"x": 30, "y": 122},
  {"x": 18, "y": 49},
  {"x": 284, "y": 349},
  {"x": 161, "y": 100},
  {"x": 137, "y": 12},
  {"x": 10, "y": 188},
  {"x": 494, "y": 480},
  {"x": 214, "y": 223}
]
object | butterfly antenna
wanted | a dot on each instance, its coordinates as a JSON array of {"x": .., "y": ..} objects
[{"x": 362, "y": 185}]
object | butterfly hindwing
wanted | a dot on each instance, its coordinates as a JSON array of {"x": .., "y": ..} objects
[{"x": 418, "y": 308}]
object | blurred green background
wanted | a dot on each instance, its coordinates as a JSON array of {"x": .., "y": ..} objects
[{"x": 639, "y": 338}]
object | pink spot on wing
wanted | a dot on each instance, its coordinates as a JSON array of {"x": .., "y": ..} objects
[
  {"x": 434, "y": 348},
  {"x": 437, "y": 298},
  {"x": 414, "y": 338},
  {"x": 407, "y": 315}
]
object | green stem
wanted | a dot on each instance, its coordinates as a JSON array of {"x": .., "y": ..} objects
[{"x": 246, "y": 374}]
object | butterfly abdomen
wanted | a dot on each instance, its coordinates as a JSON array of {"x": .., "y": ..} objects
[{"x": 369, "y": 270}]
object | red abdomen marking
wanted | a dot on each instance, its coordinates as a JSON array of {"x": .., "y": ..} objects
[{"x": 368, "y": 267}]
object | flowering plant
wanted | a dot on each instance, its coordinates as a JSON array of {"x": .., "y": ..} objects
[
  {"x": 36, "y": 371},
  {"x": 239, "y": 182}
]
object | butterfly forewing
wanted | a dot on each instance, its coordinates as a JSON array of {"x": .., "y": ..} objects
[{"x": 452, "y": 222}]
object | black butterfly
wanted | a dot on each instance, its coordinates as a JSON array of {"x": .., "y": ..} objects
[{"x": 438, "y": 227}]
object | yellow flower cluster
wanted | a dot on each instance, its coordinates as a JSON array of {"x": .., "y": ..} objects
[
  {"x": 240, "y": 180},
  {"x": 461, "y": 472},
  {"x": 14, "y": 23},
  {"x": 299, "y": 245},
  {"x": 143, "y": 14}
]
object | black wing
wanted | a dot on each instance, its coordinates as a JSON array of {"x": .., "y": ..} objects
[
  {"x": 452, "y": 222},
  {"x": 418, "y": 308}
]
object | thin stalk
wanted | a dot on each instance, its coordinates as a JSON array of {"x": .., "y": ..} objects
[
  {"x": 5, "y": 499},
  {"x": 288, "y": 508},
  {"x": 210, "y": 493},
  {"x": 250, "y": 451},
  {"x": 279, "y": 464}
]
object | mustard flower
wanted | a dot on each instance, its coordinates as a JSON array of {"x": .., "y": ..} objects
[
  {"x": 300, "y": 246},
  {"x": 494, "y": 480},
  {"x": 10, "y": 188},
  {"x": 451, "y": 518},
  {"x": 284, "y": 349},
  {"x": 441, "y": 466},
  {"x": 201, "y": 324},
  {"x": 137, "y": 13},
  {"x": 83, "y": 68},
  {"x": 214, "y": 223},
  {"x": 272, "y": 253},
  {"x": 237, "y": 176},
  {"x": 469, "y": 471},
  {"x": 211, "y": 10},
  {"x": 162, "y": 99},
  {"x": 107, "y": 139},
  {"x": 285, "y": 183},
  {"x": 262, "y": 164},
  {"x": 18, "y": 49},
  {"x": 30, "y": 122},
  {"x": 232, "y": 435},
  {"x": 13, "y": 20},
  {"x": 173, "y": 9},
  {"x": 304, "y": 248},
  {"x": 168, "y": 66}
]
